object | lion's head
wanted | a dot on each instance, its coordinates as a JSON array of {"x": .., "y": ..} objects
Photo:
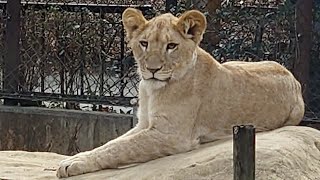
[{"x": 164, "y": 47}]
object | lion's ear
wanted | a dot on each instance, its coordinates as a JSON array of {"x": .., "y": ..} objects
[
  {"x": 192, "y": 24},
  {"x": 132, "y": 20}
]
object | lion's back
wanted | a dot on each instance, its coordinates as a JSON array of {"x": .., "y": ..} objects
[
  {"x": 262, "y": 67},
  {"x": 262, "y": 75},
  {"x": 261, "y": 93}
]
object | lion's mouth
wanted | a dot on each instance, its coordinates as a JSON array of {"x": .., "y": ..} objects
[
  {"x": 156, "y": 79},
  {"x": 160, "y": 77}
]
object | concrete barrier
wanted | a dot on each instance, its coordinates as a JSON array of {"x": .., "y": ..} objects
[{"x": 58, "y": 130}]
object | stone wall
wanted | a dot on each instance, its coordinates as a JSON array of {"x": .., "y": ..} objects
[{"x": 57, "y": 130}]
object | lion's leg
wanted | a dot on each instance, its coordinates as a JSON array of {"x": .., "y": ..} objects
[
  {"x": 132, "y": 131},
  {"x": 141, "y": 125},
  {"x": 146, "y": 145},
  {"x": 142, "y": 115},
  {"x": 216, "y": 135}
]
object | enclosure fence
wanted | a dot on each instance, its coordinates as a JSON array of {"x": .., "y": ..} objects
[{"x": 74, "y": 51}]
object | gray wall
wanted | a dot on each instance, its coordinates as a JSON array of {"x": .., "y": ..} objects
[{"x": 58, "y": 130}]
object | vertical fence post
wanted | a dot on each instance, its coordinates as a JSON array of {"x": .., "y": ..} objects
[
  {"x": 244, "y": 152},
  {"x": 122, "y": 55},
  {"x": 304, "y": 40},
  {"x": 12, "y": 55}
]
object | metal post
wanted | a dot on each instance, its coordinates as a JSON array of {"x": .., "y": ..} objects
[
  {"x": 122, "y": 51},
  {"x": 61, "y": 43},
  {"x": 83, "y": 55},
  {"x": 244, "y": 152},
  {"x": 304, "y": 40},
  {"x": 12, "y": 55}
]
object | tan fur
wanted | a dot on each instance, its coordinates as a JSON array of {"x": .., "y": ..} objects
[{"x": 191, "y": 98}]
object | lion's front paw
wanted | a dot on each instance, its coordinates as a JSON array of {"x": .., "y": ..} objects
[{"x": 75, "y": 165}]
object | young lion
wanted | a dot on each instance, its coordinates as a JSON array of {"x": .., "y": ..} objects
[{"x": 187, "y": 97}]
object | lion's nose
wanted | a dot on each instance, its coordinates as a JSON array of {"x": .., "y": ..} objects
[{"x": 153, "y": 70}]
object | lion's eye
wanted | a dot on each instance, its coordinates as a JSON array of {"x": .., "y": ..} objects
[
  {"x": 144, "y": 44},
  {"x": 171, "y": 46}
]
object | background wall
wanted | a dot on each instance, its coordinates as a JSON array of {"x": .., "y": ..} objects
[{"x": 57, "y": 130}]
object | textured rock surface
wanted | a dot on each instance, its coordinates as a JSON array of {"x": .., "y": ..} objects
[{"x": 287, "y": 153}]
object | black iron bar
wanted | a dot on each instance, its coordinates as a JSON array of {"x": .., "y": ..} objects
[
  {"x": 244, "y": 152},
  {"x": 75, "y": 7},
  {"x": 12, "y": 58}
]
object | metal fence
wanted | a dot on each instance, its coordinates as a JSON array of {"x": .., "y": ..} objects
[
  {"x": 69, "y": 52},
  {"x": 314, "y": 87},
  {"x": 74, "y": 51}
]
